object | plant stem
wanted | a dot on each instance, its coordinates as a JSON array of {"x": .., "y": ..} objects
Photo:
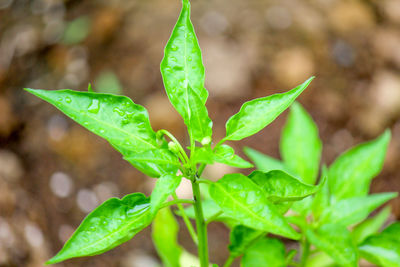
[
  {"x": 201, "y": 169},
  {"x": 200, "y": 225},
  {"x": 182, "y": 151},
  {"x": 305, "y": 251},
  {"x": 177, "y": 202},
  {"x": 185, "y": 218},
  {"x": 229, "y": 261},
  {"x": 215, "y": 216}
]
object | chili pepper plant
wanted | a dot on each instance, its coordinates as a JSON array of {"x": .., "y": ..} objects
[{"x": 281, "y": 198}]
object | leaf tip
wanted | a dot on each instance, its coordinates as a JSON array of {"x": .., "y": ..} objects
[
  {"x": 387, "y": 134},
  {"x": 54, "y": 260},
  {"x": 29, "y": 90}
]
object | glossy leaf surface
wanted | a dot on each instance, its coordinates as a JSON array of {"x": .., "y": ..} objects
[
  {"x": 165, "y": 186},
  {"x": 154, "y": 162},
  {"x": 223, "y": 154},
  {"x": 118, "y": 120},
  {"x": 183, "y": 75},
  {"x": 109, "y": 225},
  {"x": 267, "y": 252},
  {"x": 300, "y": 144},
  {"x": 243, "y": 200},
  {"x": 264, "y": 162},
  {"x": 226, "y": 155},
  {"x": 241, "y": 238},
  {"x": 336, "y": 241},
  {"x": 254, "y": 115},
  {"x": 353, "y": 210},
  {"x": 383, "y": 249},
  {"x": 370, "y": 226},
  {"x": 280, "y": 186},
  {"x": 351, "y": 173},
  {"x": 165, "y": 237}
]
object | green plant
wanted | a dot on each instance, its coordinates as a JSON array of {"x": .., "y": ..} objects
[
  {"x": 252, "y": 206},
  {"x": 333, "y": 223}
]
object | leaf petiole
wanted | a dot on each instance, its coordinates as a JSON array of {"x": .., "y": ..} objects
[
  {"x": 182, "y": 155},
  {"x": 215, "y": 216},
  {"x": 204, "y": 181},
  {"x": 176, "y": 202},
  {"x": 189, "y": 225}
]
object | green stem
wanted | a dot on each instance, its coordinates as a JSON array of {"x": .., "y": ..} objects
[
  {"x": 204, "y": 181},
  {"x": 305, "y": 251},
  {"x": 182, "y": 151},
  {"x": 229, "y": 261},
  {"x": 177, "y": 202},
  {"x": 215, "y": 216},
  {"x": 201, "y": 169},
  {"x": 185, "y": 218},
  {"x": 200, "y": 225}
]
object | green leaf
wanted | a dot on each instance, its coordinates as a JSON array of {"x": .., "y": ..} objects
[
  {"x": 268, "y": 252},
  {"x": 290, "y": 256},
  {"x": 264, "y": 162},
  {"x": 243, "y": 200},
  {"x": 203, "y": 155},
  {"x": 109, "y": 225},
  {"x": 165, "y": 237},
  {"x": 280, "y": 186},
  {"x": 226, "y": 155},
  {"x": 222, "y": 154},
  {"x": 336, "y": 241},
  {"x": 370, "y": 226},
  {"x": 393, "y": 231},
  {"x": 383, "y": 249},
  {"x": 256, "y": 114},
  {"x": 300, "y": 145},
  {"x": 154, "y": 162},
  {"x": 354, "y": 210},
  {"x": 351, "y": 173},
  {"x": 183, "y": 75},
  {"x": 320, "y": 259},
  {"x": 118, "y": 120},
  {"x": 241, "y": 238},
  {"x": 210, "y": 209},
  {"x": 321, "y": 200},
  {"x": 165, "y": 186}
]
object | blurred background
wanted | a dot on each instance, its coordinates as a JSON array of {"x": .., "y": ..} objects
[{"x": 53, "y": 171}]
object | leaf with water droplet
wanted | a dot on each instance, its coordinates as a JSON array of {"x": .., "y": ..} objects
[
  {"x": 222, "y": 154},
  {"x": 109, "y": 225},
  {"x": 117, "y": 119},
  {"x": 281, "y": 187},
  {"x": 241, "y": 199},
  {"x": 185, "y": 83},
  {"x": 226, "y": 155},
  {"x": 94, "y": 106},
  {"x": 256, "y": 114}
]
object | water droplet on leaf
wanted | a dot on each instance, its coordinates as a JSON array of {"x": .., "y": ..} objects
[
  {"x": 94, "y": 107},
  {"x": 68, "y": 99}
]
